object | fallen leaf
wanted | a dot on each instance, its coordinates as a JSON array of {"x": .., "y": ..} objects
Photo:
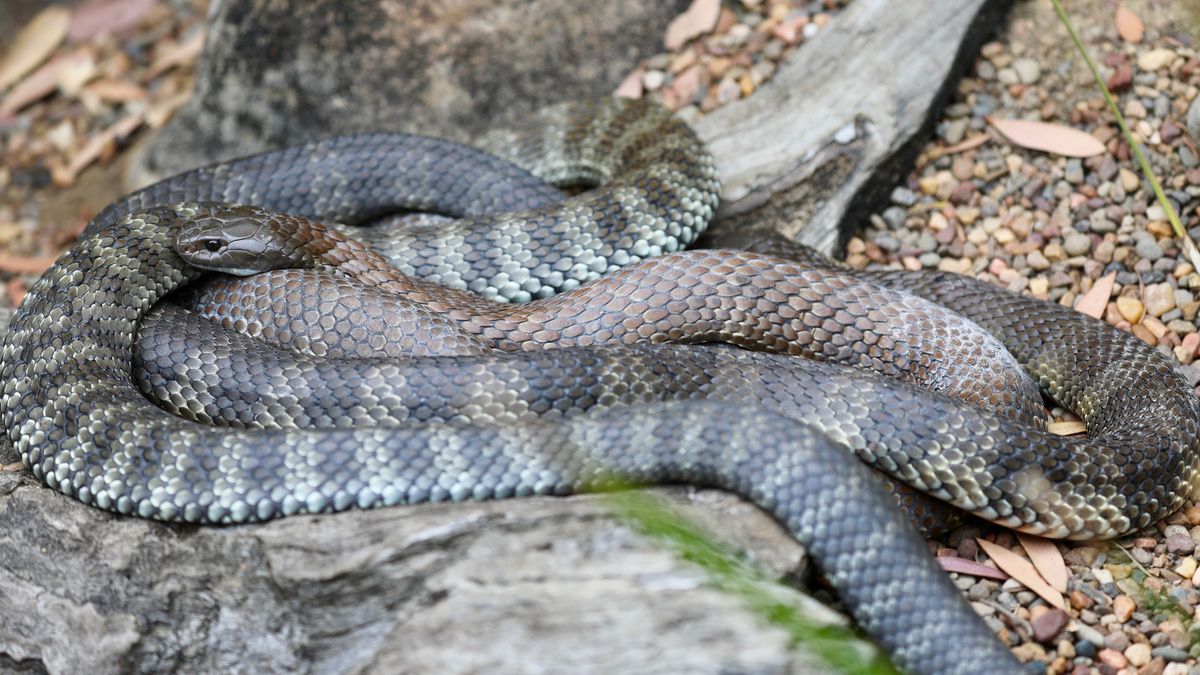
[
  {"x": 1129, "y": 25},
  {"x": 175, "y": 55},
  {"x": 10, "y": 468},
  {"x": 42, "y": 82},
  {"x": 700, "y": 18},
  {"x": 1047, "y": 137},
  {"x": 1095, "y": 300},
  {"x": 74, "y": 75},
  {"x": 115, "y": 91},
  {"x": 25, "y": 264},
  {"x": 1023, "y": 571},
  {"x": 963, "y": 566},
  {"x": 34, "y": 44},
  {"x": 1066, "y": 427},
  {"x": 1047, "y": 559},
  {"x": 98, "y": 145},
  {"x": 96, "y": 17}
]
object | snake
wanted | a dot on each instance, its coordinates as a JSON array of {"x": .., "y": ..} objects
[{"x": 72, "y": 408}]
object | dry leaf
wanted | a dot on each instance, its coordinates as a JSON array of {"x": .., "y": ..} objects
[
  {"x": 1023, "y": 571},
  {"x": 963, "y": 566},
  {"x": 1066, "y": 427},
  {"x": 174, "y": 55},
  {"x": 116, "y": 91},
  {"x": 9, "y": 468},
  {"x": 34, "y": 44},
  {"x": 700, "y": 18},
  {"x": 1095, "y": 300},
  {"x": 96, "y": 17},
  {"x": 71, "y": 77},
  {"x": 98, "y": 145},
  {"x": 25, "y": 264},
  {"x": 1046, "y": 137},
  {"x": 42, "y": 82},
  {"x": 1047, "y": 559},
  {"x": 1129, "y": 26}
]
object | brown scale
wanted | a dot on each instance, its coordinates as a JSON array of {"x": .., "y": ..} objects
[{"x": 748, "y": 299}]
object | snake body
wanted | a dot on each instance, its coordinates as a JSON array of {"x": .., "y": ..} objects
[{"x": 73, "y": 410}]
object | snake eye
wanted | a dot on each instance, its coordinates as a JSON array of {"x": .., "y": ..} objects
[{"x": 212, "y": 245}]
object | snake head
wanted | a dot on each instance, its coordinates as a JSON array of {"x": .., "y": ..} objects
[{"x": 240, "y": 240}]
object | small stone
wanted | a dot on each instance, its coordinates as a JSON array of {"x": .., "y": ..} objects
[
  {"x": 1073, "y": 173},
  {"x": 1028, "y": 70},
  {"x": 1180, "y": 543},
  {"x": 1175, "y": 669},
  {"x": 1077, "y": 244},
  {"x": 1129, "y": 180},
  {"x": 1048, "y": 625},
  {"x": 1130, "y": 308},
  {"x": 903, "y": 196},
  {"x": 1135, "y": 110},
  {"x": 1155, "y": 59},
  {"x": 1008, "y": 76},
  {"x": 1080, "y": 600},
  {"x": 1123, "y": 605},
  {"x": 1138, "y": 654},
  {"x": 1159, "y": 298},
  {"x": 1112, "y": 658},
  {"x": 1155, "y": 667},
  {"x": 653, "y": 80},
  {"x": 1171, "y": 654},
  {"x": 1186, "y": 567},
  {"x": 1193, "y": 118},
  {"x": 1121, "y": 78},
  {"x": 1148, "y": 249},
  {"x": 1117, "y": 641}
]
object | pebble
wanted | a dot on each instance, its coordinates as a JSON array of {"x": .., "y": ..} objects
[
  {"x": 903, "y": 196},
  {"x": 1129, "y": 180},
  {"x": 1077, "y": 244},
  {"x": 1193, "y": 118},
  {"x": 1148, "y": 249},
  {"x": 1130, "y": 308},
  {"x": 1159, "y": 299},
  {"x": 1138, "y": 654},
  {"x": 1155, "y": 59},
  {"x": 1047, "y": 625},
  {"x": 1180, "y": 543},
  {"x": 1028, "y": 70},
  {"x": 1073, "y": 173},
  {"x": 1112, "y": 658},
  {"x": 1171, "y": 654}
]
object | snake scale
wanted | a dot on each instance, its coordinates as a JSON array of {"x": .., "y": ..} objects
[{"x": 73, "y": 409}]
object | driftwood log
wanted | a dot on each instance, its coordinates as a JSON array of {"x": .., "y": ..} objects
[{"x": 539, "y": 585}]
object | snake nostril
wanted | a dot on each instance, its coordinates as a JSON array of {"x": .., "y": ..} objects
[{"x": 212, "y": 245}]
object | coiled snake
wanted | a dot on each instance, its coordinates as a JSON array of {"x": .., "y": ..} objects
[{"x": 73, "y": 410}]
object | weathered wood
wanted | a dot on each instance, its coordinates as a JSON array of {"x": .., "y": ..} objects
[
  {"x": 281, "y": 72},
  {"x": 822, "y": 145}
]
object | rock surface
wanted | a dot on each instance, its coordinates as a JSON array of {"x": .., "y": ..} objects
[
  {"x": 277, "y": 73},
  {"x": 819, "y": 148},
  {"x": 536, "y": 585}
]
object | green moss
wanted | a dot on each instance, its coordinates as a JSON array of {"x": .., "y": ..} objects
[{"x": 730, "y": 571}]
